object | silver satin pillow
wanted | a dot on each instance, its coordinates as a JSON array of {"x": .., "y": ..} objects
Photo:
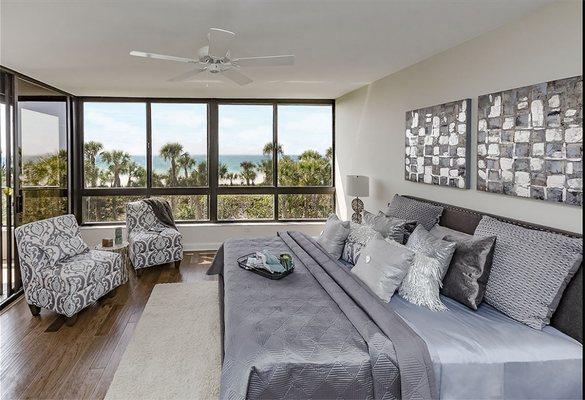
[
  {"x": 422, "y": 241},
  {"x": 469, "y": 270},
  {"x": 442, "y": 231},
  {"x": 334, "y": 236},
  {"x": 388, "y": 227},
  {"x": 382, "y": 266},
  {"x": 530, "y": 271}
]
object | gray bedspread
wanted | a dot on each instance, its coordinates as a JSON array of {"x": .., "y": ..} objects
[{"x": 316, "y": 334}]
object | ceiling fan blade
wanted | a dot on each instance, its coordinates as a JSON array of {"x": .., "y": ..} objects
[
  {"x": 219, "y": 41},
  {"x": 236, "y": 76},
  {"x": 161, "y": 57},
  {"x": 267, "y": 61},
  {"x": 187, "y": 75}
]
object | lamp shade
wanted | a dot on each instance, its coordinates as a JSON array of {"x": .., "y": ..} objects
[{"x": 358, "y": 185}]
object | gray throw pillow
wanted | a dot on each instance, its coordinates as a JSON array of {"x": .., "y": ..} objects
[
  {"x": 359, "y": 236},
  {"x": 388, "y": 227},
  {"x": 409, "y": 209},
  {"x": 382, "y": 266},
  {"x": 530, "y": 270},
  {"x": 469, "y": 270},
  {"x": 422, "y": 283},
  {"x": 422, "y": 241},
  {"x": 442, "y": 231},
  {"x": 334, "y": 235}
]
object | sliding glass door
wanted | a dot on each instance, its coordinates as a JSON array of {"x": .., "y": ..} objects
[{"x": 34, "y": 122}]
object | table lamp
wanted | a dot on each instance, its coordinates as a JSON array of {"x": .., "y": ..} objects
[{"x": 358, "y": 186}]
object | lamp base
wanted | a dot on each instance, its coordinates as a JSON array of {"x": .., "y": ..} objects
[{"x": 357, "y": 206}]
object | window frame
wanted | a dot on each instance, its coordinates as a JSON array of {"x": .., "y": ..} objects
[{"x": 213, "y": 189}]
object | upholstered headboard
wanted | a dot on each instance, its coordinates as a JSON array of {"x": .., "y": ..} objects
[{"x": 568, "y": 318}]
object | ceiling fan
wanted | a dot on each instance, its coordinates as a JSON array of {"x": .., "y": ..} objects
[{"x": 216, "y": 58}]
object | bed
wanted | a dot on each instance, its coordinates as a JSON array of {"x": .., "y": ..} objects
[{"x": 320, "y": 333}]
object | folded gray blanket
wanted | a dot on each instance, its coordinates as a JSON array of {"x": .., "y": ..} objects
[
  {"x": 162, "y": 210},
  {"x": 315, "y": 334}
]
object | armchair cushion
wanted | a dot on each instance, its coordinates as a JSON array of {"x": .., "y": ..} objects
[{"x": 80, "y": 271}]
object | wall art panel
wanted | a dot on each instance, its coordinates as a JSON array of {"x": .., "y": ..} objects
[
  {"x": 530, "y": 142},
  {"x": 438, "y": 141}
]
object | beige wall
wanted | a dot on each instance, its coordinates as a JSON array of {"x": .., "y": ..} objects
[{"x": 370, "y": 121}]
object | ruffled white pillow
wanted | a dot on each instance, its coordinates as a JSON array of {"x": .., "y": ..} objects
[{"x": 422, "y": 283}]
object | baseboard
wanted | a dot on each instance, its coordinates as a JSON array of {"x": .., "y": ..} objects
[{"x": 200, "y": 246}]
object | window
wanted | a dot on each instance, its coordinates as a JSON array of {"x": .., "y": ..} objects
[
  {"x": 218, "y": 161},
  {"x": 179, "y": 145},
  {"x": 245, "y": 145},
  {"x": 114, "y": 148},
  {"x": 305, "y": 145}
]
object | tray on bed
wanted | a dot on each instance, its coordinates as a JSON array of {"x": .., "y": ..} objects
[{"x": 262, "y": 272}]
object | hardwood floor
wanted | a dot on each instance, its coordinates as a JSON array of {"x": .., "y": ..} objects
[{"x": 42, "y": 358}]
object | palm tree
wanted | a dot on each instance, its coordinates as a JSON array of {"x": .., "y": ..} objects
[
  {"x": 118, "y": 162},
  {"x": 222, "y": 171},
  {"x": 201, "y": 174},
  {"x": 186, "y": 162},
  {"x": 91, "y": 150},
  {"x": 137, "y": 171},
  {"x": 248, "y": 174},
  {"x": 231, "y": 176},
  {"x": 269, "y": 149},
  {"x": 171, "y": 152}
]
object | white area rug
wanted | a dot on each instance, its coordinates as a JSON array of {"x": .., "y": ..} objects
[{"x": 175, "y": 352}]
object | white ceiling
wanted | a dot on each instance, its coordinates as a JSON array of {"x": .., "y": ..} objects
[{"x": 82, "y": 46}]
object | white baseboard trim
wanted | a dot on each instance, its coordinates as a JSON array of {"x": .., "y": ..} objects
[{"x": 201, "y": 246}]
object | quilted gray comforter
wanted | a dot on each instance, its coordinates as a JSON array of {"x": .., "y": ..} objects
[{"x": 316, "y": 334}]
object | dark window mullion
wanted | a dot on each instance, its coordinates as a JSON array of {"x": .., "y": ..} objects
[
  {"x": 213, "y": 158},
  {"x": 275, "y": 157},
  {"x": 148, "y": 147}
]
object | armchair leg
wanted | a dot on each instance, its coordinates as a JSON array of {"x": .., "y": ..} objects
[
  {"x": 139, "y": 272},
  {"x": 178, "y": 264},
  {"x": 70, "y": 321},
  {"x": 35, "y": 310}
]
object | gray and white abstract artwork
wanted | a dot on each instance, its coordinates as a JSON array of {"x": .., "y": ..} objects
[
  {"x": 438, "y": 143},
  {"x": 530, "y": 142}
]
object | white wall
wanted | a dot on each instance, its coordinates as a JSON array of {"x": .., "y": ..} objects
[
  {"x": 210, "y": 236},
  {"x": 370, "y": 121}
]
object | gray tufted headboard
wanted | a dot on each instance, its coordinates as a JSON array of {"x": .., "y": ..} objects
[{"x": 568, "y": 318}]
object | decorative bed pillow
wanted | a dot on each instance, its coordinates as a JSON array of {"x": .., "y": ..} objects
[
  {"x": 425, "y": 213},
  {"x": 422, "y": 283},
  {"x": 383, "y": 265},
  {"x": 469, "y": 270},
  {"x": 422, "y": 241},
  {"x": 530, "y": 270},
  {"x": 334, "y": 235},
  {"x": 359, "y": 236},
  {"x": 389, "y": 227},
  {"x": 442, "y": 231}
]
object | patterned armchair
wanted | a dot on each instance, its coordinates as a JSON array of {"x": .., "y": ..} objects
[
  {"x": 59, "y": 272},
  {"x": 150, "y": 241}
]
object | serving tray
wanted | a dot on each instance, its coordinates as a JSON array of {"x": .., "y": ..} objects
[{"x": 262, "y": 272}]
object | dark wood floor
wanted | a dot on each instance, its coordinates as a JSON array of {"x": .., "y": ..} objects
[{"x": 42, "y": 358}]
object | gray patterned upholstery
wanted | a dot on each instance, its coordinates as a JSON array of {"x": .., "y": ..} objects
[
  {"x": 150, "y": 242},
  {"x": 59, "y": 272},
  {"x": 409, "y": 209},
  {"x": 530, "y": 270}
]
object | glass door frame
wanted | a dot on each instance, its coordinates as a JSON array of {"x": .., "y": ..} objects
[{"x": 13, "y": 160}]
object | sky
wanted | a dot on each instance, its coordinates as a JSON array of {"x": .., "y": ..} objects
[{"x": 243, "y": 129}]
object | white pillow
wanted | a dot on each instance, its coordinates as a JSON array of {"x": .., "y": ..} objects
[
  {"x": 422, "y": 283},
  {"x": 382, "y": 266},
  {"x": 334, "y": 235}
]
